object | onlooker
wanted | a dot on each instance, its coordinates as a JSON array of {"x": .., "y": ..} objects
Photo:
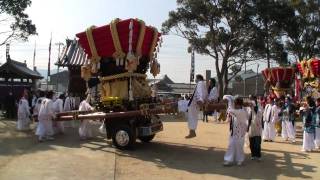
[
  {"x": 255, "y": 129},
  {"x": 23, "y": 122}
]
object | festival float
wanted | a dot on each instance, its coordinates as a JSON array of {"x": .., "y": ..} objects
[
  {"x": 279, "y": 80},
  {"x": 120, "y": 54},
  {"x": 310, "y": 73}
]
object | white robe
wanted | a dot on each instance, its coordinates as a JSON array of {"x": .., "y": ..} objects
[
  {"x": 85, "y": 130},
  {"x": 200, "y": 94},
  {"x": 37, "y": 106},
  {"x": 213, "y": 95},
  {"x": 287, "y": 130},
  {"x": 308, "y": 143},
  {"x": 182, "y": 105},
  {"x": 235, "y": 150},
  {"x": 34, "y": 101},
  {"x": 317, "y": 139},
  {"x": 69, "y": 106},
  {"x": 58, "y": 126},
  {"x": 45, "y": 116},
  {"x": 270, "y": 116},
  {"x": 23, "y": 115}
]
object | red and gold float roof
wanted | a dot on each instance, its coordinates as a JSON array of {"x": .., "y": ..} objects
[
  {"x": 279, "y": 75},
  {"x": 309, "y": 68},
  {"x": 104, "y": 44}
]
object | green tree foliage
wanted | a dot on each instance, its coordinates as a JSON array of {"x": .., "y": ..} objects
[
  {"x": 269, "y": 17},
  {"x": 302, "y": 32},
  {"x": 217, "y": 28},
  {"x": 234, "y": 32},
  {"x": 14, "y": 22}
]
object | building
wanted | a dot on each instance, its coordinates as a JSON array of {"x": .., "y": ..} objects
[
  {"x": 165, "y": 87},
  {"x": 247, "y": 83},
  {"x": 60, "y": 81},
  {"x": 72, "y": 57},
  {"x": 15, "y": 77}
]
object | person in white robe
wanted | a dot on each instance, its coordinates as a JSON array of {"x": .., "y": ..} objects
[
  {"x": 287, "y": 118},
  {"x": 255, "y": 129},
  {"x": 270, "y": 116},
  {"x": 85, "y": 129},
  {"x": 58, "y": 126},
  {"x": 309, "y": 121},
  {"x": 23, "y": 122},
  {"x": 238, "y": 128},
  {"x": 37, "y": 106},
  {"x": 196, "y": 102},
  {"x": 69, "y": 106},
  {"x": 46, "y": 114},
  {"x": 213, "y": 97}
]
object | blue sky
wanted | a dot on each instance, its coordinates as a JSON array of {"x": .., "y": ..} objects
[{"x": 65, "y": 18}]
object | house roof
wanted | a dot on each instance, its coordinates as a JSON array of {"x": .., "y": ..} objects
[
  {"x": 182, "y": 88},
  {"x": 244, "y": 75},
  {"x": 15, "y": 69},
  {"x": 182, "y": 85},
  {"x": 72, "y": 55},
  {"x": 60, "y": 74}
]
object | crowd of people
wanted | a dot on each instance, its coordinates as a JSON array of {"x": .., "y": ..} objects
[
  {"x": 259, "y": 119},
  {"x": 44, "y": 108}
]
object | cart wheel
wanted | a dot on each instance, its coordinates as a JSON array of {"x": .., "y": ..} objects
[
  {"x": 147, "y": 139},
  {"x": 124, "y": 138}
]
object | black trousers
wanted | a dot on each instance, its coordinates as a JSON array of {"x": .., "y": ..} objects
[{"x": 255, "y": 146}]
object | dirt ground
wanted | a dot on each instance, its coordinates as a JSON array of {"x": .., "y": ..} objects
[{"x": 169, "y": 156}]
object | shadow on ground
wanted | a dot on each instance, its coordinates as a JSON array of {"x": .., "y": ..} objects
[
  {"x": 208, "y": 160},
  {"x": 13, "y": 142}
]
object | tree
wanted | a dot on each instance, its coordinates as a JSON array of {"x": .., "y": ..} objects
[
  {"x": 14, "y": 23},
  {"x": 269, "y": 18},
  {"x": 216, "y": 28},
  {"x": 302, "y": 32}
]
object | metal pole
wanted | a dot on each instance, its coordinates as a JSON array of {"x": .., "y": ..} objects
[
  {"x": 57, "y": 86},
  {"x": 257, "y": 79},
  {"x": 244, "y": 81}
]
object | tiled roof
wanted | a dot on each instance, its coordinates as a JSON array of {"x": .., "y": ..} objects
[
  {"x": 72, "y": 55},
  {"x": 20, "y": 69}
]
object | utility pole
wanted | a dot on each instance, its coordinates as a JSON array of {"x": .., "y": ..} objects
[
  {"x": 245, "y": 72},
  {"x": 59, "y": 59},
  {"x": 34, "y": 56}
]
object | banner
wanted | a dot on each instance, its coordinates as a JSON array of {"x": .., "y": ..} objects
[{"x": 192, "y": 67}]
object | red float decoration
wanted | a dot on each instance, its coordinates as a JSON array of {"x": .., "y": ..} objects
[
  {"x": 280, "y": 79},
  {"x": 282, "y": 75},
  {"x": 309, "y": 68},
  {"x": 104, "y": 42}
]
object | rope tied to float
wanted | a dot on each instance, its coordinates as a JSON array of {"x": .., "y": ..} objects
[
  {"x": 118, "y": 55},
  {"x": 154, "y": 42},
  {"x": 132, "y": 60},
  {"x": 95, "y": 58},
  {"x": 141, "y": 38}
]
